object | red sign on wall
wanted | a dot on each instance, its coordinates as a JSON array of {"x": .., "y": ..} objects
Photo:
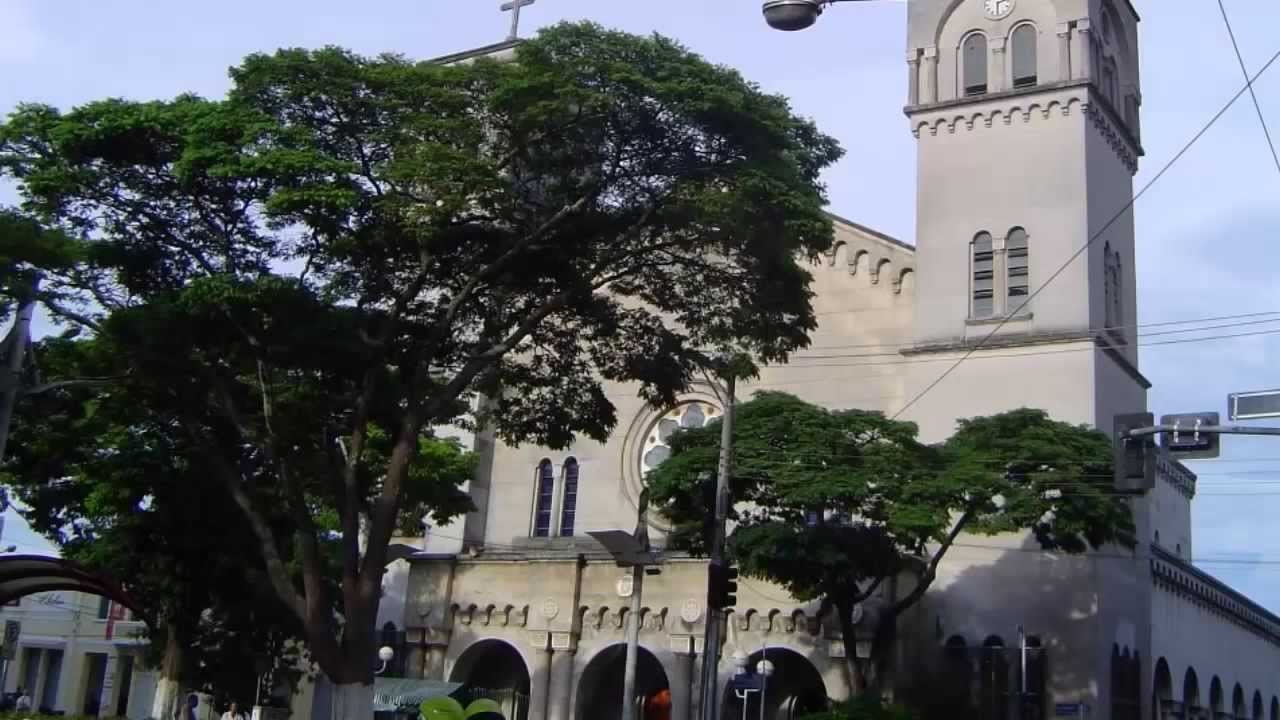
[{"x": 116, "y": 613}]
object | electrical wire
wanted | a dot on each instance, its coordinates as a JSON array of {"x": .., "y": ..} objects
[
  {"x": 1081, "y": 337},
  {"x": 1107, "y": 226},
  {"x": 1093, "y": 331},
  {"x": 1249, "y": 84}
]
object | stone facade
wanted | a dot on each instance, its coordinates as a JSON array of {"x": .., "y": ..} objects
[{"x": 1021, "y": 286}]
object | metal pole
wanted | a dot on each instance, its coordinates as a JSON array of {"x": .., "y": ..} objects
[
  {"x": 764, "y": 676},
  {"x": 1022, "y": 648},
  {"x": 11, "y": 384},
  {"x": 633, "y": 645},
  {"x": 711, "y": 639}
]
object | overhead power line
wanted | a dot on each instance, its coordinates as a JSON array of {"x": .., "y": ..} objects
[
  {"x": 1274, "y": 314},
  {"x": 1249, "y": 84},
  {"x": 1115, "y": 218}
]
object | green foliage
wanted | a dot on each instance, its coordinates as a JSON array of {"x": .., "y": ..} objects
[
  {"x": 125, "y": 495},
  {"x": 829, "y": 502},
  {"x": 25, "y": 248},
  {"x": 301, "y": 281},
  {"x": 865, "y": 708},
  {"x": 446, "y": 708}
]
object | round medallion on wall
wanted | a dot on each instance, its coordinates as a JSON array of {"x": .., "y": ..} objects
[
  {"x": 998, "y": 9},
  {"x": 550, "y": 609},
  {"x": 625, "y": 585},
  {"x": 691, "y": 611}
]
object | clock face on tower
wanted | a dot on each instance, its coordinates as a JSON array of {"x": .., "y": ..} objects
[{"x": 998, "y": 9}]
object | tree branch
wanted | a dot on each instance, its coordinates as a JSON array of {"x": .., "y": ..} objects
[{"x": 931, "y": 571}]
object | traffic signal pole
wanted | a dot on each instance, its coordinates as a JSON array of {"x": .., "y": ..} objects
[{"x": 711, "y": 638}]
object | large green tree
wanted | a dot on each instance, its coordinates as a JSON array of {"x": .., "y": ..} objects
[
  {"x": 119, "y": 492},
  {"x": 349, "y": 251},
  {"x": 831, "y": 504}
]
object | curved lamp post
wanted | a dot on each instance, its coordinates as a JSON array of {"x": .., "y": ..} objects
[
  {"x": 791, "y": 15},
  {"x": 385, "y": 654}
]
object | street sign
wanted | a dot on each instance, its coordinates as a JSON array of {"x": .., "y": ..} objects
[
  {"x": 747, "y": 681},
  {"x": 1186, "y": 442},
  {"x": 1253, "y": 405},
  {"x": 12, "y": 630}
]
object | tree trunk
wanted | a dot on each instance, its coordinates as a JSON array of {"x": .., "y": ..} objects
[
  {"x": 857, "y": 678},
  {"x": 168, "y": 687},
  {"x": 352, "y": 701}
]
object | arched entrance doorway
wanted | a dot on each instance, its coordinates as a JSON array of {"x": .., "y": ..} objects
[
  {"x": 1190, "y": 691},
  {"x": 795, "y": 688},
  {"x": 494, "y": 669},
  {"x": 600, "y": 687},
  {"x": 1161, "y": 688}
]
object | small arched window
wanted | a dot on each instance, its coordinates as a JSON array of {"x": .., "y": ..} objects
[
  {"x": 543, "y": 500},
  {"x": 984, "y": 296},
  {"x": 1035, "y": 672},
  {"x": 569, "y": 503},
  {"x": 1018, "y": 269},
  {"x": 1024, "y": 56},
  {"x": 974, "y": 62}
]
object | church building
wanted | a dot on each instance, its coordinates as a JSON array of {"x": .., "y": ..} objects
[{"x": 1027, "y": 119}]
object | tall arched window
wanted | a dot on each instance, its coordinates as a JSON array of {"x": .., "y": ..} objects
[
  {"x": 1109, "y": 287},
  {"x": 569, "y": 503},
  {"x": 974, "y": 61},
  {"x": 546, "y": 493},
  {"x": 1117, "y": 291},
  {"x": 995, "y": 680},
  {"x": 1024, "y": 56},
  {"x": 984, "y": 295},
  {"x": 1017, "y": 268}
]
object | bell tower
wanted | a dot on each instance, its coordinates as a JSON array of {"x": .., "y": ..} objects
[{"x": 1026, "y": 114}]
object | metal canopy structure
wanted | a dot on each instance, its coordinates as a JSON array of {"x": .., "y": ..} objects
[{"x": 27, "y": 574}]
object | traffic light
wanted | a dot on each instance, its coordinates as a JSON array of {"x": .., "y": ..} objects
[
  {"x": 722, "y": 591},
  {"x": 1135, "y": 459}
]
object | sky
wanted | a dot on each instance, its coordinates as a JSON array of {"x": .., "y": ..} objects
[{"x": 1206, "y": 228}]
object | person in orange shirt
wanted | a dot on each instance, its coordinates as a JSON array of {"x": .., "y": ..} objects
[{"x": 658, "y": 706}]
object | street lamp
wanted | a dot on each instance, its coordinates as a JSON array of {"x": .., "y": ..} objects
[
  {"x": 385, "y": 654},
  {"x": 793, "y": 15}
]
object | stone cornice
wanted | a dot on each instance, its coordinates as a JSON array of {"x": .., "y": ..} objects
[
  {"x": 1173, "y": 574},
  {"x": 1177, "y": 475},
  {"x": 1009, "y": 105},
  {"x": 483, "y": 51},
  {"x": 1018, "y": 340}
]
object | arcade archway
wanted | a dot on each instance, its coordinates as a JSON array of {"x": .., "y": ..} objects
[
  {"x": 27, "y": 574},
  {"x": 600, "y": 687},
  {"x": 795, "y": 688},
  {"x": 494, "y": 669}
]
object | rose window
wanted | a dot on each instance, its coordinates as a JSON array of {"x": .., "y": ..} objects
[{"x": 688, "y": 416}]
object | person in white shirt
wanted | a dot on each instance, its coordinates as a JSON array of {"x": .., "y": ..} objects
[
  {"x": 24, "y": 700},
  {"x": 233, "y": 713}
]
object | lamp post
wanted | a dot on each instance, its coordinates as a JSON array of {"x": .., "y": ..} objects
[
  {"x": 764, "y": 669},
  {"x": 632, "y": 550},
  {"x": 385, "y": 654},
  {"x": 791, "y": 15}
]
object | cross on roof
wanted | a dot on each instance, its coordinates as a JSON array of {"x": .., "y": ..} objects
[{"x": 513, "y": 7}]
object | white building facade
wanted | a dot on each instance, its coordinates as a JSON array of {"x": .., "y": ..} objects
[
  {"x": 1027, "y": 119},
  {"x": 79, "y": 654}
]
